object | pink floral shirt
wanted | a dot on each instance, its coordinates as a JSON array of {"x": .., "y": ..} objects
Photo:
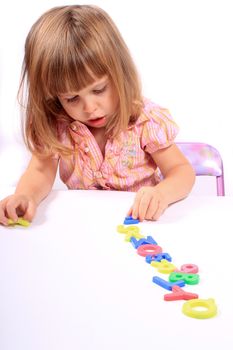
[{"x": 127, "y": 164}]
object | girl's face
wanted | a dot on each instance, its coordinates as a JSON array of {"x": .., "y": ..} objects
[{"x": 94, "y": 105}]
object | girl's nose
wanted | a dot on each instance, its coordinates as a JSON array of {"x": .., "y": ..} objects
[{"x": 89, "y": 105}]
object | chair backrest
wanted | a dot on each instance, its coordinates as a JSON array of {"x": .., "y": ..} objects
[{"x": 206, "y": 160}]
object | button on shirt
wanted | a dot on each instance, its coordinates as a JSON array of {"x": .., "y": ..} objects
[{"x": 127, "y": 164}]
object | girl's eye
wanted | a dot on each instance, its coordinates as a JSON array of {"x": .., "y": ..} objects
[
  {"x": 73, "y": 99},
  {"x": 99, "y": 91}
]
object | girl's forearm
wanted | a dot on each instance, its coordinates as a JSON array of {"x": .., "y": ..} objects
[
  {"x": 36, "y": 186},
  {"x": 38, "y": 179},
  {"x": 178, "y": 183}
]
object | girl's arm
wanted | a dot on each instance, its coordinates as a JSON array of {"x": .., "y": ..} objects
[
  {"x": 178, "y": 180},
  {"x": 33, "y": 186}
]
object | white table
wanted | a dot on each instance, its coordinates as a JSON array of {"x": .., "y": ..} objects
[{"x": 69, "y": 281}]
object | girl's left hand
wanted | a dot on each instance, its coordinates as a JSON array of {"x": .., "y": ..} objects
[{"x": 149, "y": 204}]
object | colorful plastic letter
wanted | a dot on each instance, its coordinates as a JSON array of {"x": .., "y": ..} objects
[
  {"x": 190, "y": 308},
  {"x": 158, "y": 257},
  {"x": 20, "y": 221},
  {"x": 166, "y": 284},
  {"x": 149, "y": 249},
  {"x": 148, "y": 240},
  {"x": 164, "y": 266},
  {"x": 130, "y": 221},
  {"x": 122, "y": 229},
  {"x": 189, "y": 278},
  {"x": 129, "y": 231},
  {"x": 179, "y": 294},
  {"x": 188, "y": 268}
]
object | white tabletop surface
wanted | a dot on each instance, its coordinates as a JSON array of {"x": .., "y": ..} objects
[{"x": 70, "y": 281}]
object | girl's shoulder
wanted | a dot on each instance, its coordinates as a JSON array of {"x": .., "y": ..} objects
[
  {"x": 154, "y": 113},
  {"x": 156, "y": 127}
]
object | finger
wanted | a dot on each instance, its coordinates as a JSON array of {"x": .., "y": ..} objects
[
  {"x": 152, "y": 209},
  {"x": 15, "y": 207},
  {"x": 144, "y": 205},
  {"x": 136, "y": 204},
  {"x": 129, "y": 211},
  {"x": 3, "y": 218},
  {"x": 30, "y": 212}
]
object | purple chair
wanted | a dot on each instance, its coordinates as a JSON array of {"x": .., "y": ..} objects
[{"x": 206, "y": 160}]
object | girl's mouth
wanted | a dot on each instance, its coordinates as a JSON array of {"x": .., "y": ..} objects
[{"x": 97, "y": 122}]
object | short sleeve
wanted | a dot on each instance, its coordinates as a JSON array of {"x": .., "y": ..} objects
[{"x": 159, "y": 131}]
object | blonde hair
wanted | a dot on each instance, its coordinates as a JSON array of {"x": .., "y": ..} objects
[{"x": 65, "y": 49}]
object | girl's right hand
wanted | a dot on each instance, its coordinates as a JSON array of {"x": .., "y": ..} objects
[{"x": 15, "y": 206}]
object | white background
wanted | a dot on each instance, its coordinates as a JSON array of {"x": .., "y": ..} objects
[
  {"x": 183, "y": 51},
  {"x": 71, "y": 282}
]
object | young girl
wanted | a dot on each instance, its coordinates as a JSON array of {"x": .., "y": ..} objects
[{"x": 85, "y": 114}]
